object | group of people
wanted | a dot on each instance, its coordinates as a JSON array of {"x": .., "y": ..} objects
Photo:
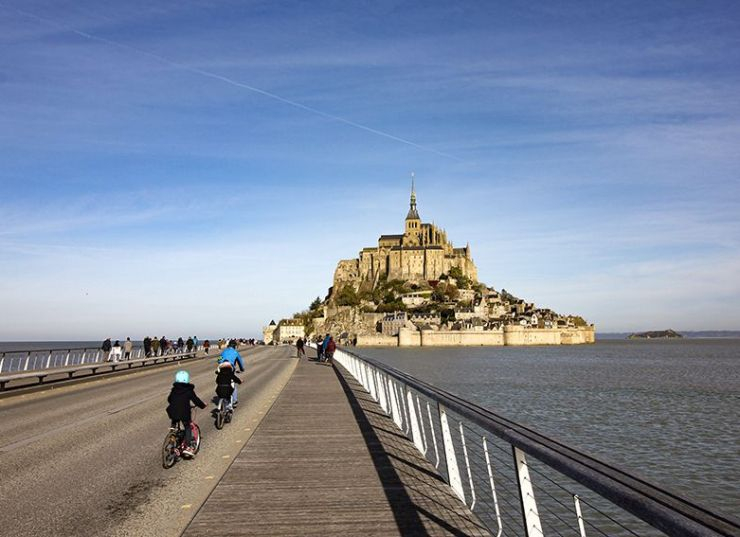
[
  {"x": 116, "y": 352},
  {"x": 162, "y": 346},
  {"x": 325, "y": 348},
  {"x": 182, "y": 394}
]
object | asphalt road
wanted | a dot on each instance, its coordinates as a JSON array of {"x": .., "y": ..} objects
[{"x": 85, "y": 459}]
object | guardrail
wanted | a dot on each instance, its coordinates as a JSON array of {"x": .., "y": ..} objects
[
  {"x": 94, "y": 367},
  {"x": 520, "y": 482},
  {"x": 31, "y": 360}
]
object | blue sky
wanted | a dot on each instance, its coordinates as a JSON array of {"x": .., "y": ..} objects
[{"x": 182, "y": 167}]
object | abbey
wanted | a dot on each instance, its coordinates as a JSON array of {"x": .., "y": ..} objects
[{"x": 421, "y": 253}]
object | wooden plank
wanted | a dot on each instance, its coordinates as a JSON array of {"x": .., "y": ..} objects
[{"x": 327, "y": 461}]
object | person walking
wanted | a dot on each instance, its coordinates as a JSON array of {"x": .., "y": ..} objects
[
  {"x": 299, "y": 348},
  {"x": 147, "y": 346},
  {"x": 127, "y": 347},
  {"x": 163, "y": 345},
  {"x": 106, "y": 347},
  {"x": 189, "y": 344},
  {"x": 115, "y": 352},
  {"x": 329, "y": 351},
  {"x": 323, "y": 347},
  {"x": 180, "y": 345},
  {"x": 207, "y": 345},
  {"x": 195, "y": 342},
  {"x": 155, "y": 347}
]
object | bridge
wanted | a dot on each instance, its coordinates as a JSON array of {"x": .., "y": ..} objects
[{"x": 356, "y": 449}]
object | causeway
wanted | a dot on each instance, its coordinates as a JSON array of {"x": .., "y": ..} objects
[{"x": 326, "y": 460}]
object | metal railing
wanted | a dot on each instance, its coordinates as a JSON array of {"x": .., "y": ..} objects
[
  {"x": 520, "y": 482},
  {"x": 33, "y": 360}
]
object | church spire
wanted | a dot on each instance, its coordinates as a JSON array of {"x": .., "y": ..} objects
[{"x": 413, "y": 213}]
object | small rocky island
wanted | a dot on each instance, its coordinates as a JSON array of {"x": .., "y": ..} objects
[
  {"x": 656, "y": 334},
  {"x": 416, "y": 289}
]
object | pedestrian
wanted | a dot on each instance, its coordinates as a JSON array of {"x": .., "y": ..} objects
[
  {"x": 155, "y": 346},
  {"x": 106, "y": 347},
  {"x": 319, "y": 349},
  {"x": 206, "y": 345},
  {"x": 127, "y": 347},
  {"x": 195, "y": 342},
  {"x": 147, "y": 346},
  {"x": 299, "y": 348},
  {"x": 163, "y": 345},
  {"x": 323, "y": 347},
  {"x": 115, "y": 352},
  {"x": 180, "y": 345},
  {"x": 189, "y": 344},
  {"x": 330, "y": 348}
]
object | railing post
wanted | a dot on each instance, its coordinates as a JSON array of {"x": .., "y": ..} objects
[
  {"x": 581, "y": 526},
  {"x": 395, "y": 412},
  {"x": 28, "y": 358},
  {"x": 84, "y": 354},
  {"x": 373, "y": 386},
  {"x": 493, "y": 487},
  {"x": 48, "y": 360},
  {"x": 415, "y": 431},
  {"x": 2, "y": 361},
  {"x": 532, "y": 525},
  {"x": 382, "y": 399},
  {"x": 66, "y": 360},
  {"x": 453, "y": 472},
  {"x": 434, "y": 435},
  {"x": 404, "y": 410}
]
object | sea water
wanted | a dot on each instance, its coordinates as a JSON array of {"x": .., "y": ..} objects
[{"x": 667, "y": 410}]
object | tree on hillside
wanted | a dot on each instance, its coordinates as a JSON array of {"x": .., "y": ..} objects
[
  {"x": 347, "y": 297},
  {"x": 316, "y": 304}
]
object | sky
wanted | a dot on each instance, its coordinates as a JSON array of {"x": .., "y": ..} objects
[{"x": 195, "y": 167}]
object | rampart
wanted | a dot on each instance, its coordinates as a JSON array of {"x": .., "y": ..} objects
[{"x": 509, "y": 335}]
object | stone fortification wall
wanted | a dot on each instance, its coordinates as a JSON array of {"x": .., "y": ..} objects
[
  {"x": 377, "y": 340},
  {"x": 460, "y": 338},
  {"x": 518, "y": 335},
  {"x": 409, "y": 338},
  {"x": 510, "y": 335}
]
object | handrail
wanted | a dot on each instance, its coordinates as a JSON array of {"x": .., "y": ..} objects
[
  {"x": 113, "y": 366},
  {"x": 16, "y": 360},
  {"x": 664, "y": 510}
]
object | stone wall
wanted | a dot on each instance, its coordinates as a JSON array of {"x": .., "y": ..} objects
[
  {"x": 377, "y": 340},
  {"x": 461, "y": 338},
  {"x": 509, "y": 335},
  {"x": 519, "y": 335},
  {"x": 409, "y": 338}
]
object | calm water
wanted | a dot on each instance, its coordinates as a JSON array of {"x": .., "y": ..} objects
[{"x": 668, "y": 410}]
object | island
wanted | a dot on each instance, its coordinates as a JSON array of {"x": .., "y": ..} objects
[
  {"x": 656, "y": 334},
  {"x": 416, "y": 289}
]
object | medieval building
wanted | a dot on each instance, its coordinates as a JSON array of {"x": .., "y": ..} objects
[{"x": 421, "y": 253}]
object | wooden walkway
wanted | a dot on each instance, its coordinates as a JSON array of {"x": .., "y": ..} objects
[{"x": 326, "y": 460}]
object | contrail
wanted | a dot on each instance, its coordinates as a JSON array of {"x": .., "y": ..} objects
[{"x": 227, "y": 80}]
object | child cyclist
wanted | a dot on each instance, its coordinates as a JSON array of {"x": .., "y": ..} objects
[
  {"x": 232, "y": 356},
  {"x": 181, "y": 395},
  {"x": 225, "y": 376}
]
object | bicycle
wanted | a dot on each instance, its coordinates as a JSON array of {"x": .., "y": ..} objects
[
  {"x": 224, "y": 411},
  {"x": 175, "y": 443}
]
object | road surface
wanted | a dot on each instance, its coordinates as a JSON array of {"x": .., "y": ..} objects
[{"x": 84, "y": 459}]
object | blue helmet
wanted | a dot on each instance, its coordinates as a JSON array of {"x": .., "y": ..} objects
[{"x": 182, "y": 376}]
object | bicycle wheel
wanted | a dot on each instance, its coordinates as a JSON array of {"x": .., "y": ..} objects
[
  {"x": 220, "y": 415},
  {"x": 196, "y": 437},
  {"x": 168, "y": 450}
]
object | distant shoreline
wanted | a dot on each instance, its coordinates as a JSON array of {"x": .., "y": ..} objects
[{"x": 689, "y": 334}]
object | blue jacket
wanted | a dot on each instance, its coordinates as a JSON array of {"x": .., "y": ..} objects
[
  {"x": 325, "y": 343},
  {"x": 232, "y": 355}
]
